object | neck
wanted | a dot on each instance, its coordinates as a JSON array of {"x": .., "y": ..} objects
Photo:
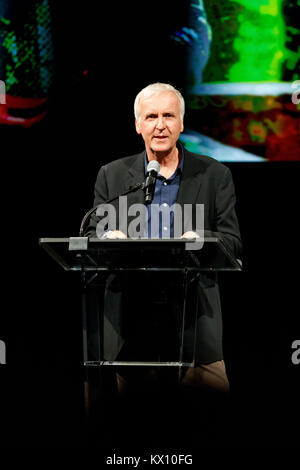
[{"x": 166, "y": 159}]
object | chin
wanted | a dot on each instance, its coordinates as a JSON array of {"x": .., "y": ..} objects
[{"x": 161, "y": 148}]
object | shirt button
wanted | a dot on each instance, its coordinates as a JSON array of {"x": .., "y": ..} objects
[
  {"x": 165, "y": 204},
  {"x": 165, "y": 228},
  {"x": 165, "y": 183}
]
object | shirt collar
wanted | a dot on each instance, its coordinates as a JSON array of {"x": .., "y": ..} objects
[{"x": 180, "y": 166}]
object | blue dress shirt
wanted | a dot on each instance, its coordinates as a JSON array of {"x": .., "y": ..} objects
[{"x": 165, "y": 195}]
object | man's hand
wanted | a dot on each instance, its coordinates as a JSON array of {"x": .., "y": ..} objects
[
  {"x": 190, "y": 235},
  {"x": 114, "y": 234}
]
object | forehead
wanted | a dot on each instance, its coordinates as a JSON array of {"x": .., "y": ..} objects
[{"x": 162, "y": 101}]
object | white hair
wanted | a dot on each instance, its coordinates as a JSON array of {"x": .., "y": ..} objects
[{"x": 155, "y": 89}]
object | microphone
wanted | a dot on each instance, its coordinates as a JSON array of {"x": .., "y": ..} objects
[{"x": 151, "y": 175}]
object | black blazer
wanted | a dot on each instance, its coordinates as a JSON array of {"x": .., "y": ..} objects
[{"x": 203, "y": 181}]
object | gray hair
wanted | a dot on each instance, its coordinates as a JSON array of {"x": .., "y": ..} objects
[{"x": 154, "y": 89}]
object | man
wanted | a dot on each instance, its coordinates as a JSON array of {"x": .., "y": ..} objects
[{"x": 184, "y": 178}]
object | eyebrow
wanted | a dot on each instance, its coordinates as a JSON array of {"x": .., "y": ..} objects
[{"x": 155, "y": 113}]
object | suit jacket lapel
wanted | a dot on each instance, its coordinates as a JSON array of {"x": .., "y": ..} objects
[
  {"x": 189, "y": 185},
  {"x": 136, "y": 174}
]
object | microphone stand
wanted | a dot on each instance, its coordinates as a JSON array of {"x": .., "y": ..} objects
[
  {"x": 131, "y": 189},
  {"x": 80, "y": 243}
]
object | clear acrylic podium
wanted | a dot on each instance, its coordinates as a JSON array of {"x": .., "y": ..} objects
[{"x": 97, "y": 259}]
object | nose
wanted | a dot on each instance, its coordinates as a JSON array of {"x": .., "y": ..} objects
[{"x": 160, "y": 123}]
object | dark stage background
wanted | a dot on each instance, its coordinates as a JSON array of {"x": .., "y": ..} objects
[{"x": 48, "y": 173}]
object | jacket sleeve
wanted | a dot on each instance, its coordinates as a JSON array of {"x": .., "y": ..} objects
[
  {"x": 100, "y": 195},
  {"x": 226, "y": 222}
]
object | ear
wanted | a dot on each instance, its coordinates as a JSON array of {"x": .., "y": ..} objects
[
  {"x": 137, "y": 126},
  {"x": 182, "y": 127}
]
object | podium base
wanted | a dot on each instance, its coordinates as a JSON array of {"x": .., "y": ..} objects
[{"x": 138, "y": 363}]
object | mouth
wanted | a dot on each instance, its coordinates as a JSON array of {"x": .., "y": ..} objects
[{"x": 160, "y": 137}]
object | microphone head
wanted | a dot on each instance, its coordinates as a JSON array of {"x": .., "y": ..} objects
[{"x": 153, "y": 165}]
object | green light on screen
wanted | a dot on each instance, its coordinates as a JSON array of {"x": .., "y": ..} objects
[{"x": 260, "y": 42}]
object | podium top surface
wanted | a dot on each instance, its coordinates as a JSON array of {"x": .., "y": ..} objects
[{"x": 94, "y": 254}]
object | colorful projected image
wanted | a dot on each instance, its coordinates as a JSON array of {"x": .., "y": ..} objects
[
  {"x": 242, "y": 73},
  {"x": 242, "y": 63},
  {"x": 26, "y": 61}
]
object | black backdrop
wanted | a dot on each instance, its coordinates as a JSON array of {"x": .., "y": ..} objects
[{"x": 48, "y": 173}]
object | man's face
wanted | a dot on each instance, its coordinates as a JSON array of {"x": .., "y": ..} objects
[{"x": 160, "y": 124}]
